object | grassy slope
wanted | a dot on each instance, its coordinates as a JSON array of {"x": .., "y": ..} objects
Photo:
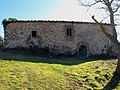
[{"x": 18, "y": 71}]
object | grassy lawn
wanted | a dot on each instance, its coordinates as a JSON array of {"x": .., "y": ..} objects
[{"x": 25, "y": 72}]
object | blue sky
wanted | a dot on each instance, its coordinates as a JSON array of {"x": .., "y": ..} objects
[
  {"x": 27, "y": 9},
  {"x": 42, "y": 10}
]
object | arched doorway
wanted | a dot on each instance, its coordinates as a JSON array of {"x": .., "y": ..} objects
[{"x": 83, "y": 51}]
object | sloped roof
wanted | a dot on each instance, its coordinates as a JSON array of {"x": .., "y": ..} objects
[
  {"x": 5, "y": 23},
  {"x": 54, "y": 21}
]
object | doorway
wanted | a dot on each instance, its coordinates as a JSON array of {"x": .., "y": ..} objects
[{"x": 83, "y": 51}]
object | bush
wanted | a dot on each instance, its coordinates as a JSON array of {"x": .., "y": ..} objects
[{"x": 1, "y": 42}]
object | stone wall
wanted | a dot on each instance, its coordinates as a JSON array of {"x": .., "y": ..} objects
[{"x": 53, "y": 35}]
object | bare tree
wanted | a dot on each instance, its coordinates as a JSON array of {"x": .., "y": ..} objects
[{"x": 111, "y": 7}]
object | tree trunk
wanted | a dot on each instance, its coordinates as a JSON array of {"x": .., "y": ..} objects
[
  {"x": 117, "y": 72},
  {"x": 113, "y": 39}
]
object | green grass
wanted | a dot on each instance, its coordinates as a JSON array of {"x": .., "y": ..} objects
[{"x": 19, "y": 71}]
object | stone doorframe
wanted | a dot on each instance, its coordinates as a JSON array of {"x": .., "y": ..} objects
[{"x": 80, "y": 44}]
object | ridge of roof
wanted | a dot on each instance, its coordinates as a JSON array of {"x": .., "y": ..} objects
[{"x": 59, "y": 21}]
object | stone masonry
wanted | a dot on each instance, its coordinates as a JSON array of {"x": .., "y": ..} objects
[{"x": 58, "y": 36}]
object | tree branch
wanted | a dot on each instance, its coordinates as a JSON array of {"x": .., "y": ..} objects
[
  {"x": 109, "y": 36},
  {"x": 102, "y": 28},
  {"x": 105, "y": 1},
  {"x": 111, "y": 1},
  {"x": 116, "y": 9},
  {"x": 89, "y": 5},
  {"x": 104, "y": 18}
]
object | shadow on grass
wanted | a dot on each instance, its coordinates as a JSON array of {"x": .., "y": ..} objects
[
  {"x": 113, "y": 83},
  {"x": 22, "y": 56}
]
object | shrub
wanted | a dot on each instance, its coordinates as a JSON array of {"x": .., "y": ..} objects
[{"x": 1, "y": 42}]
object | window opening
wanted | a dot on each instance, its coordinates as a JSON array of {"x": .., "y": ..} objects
[
  {"x": 69, "y": 32},
  {"x": 34, "y": 33}
]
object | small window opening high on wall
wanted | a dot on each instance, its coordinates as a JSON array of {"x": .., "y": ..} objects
[
  {"x": 34, "y": 33},
  {"x": 69, "y": 31}
]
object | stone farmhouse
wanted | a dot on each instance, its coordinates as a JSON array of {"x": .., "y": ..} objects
[{"x": 60, "y": 37}]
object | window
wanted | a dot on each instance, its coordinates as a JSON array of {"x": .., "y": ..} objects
[
  {"x": 105, "y": 46},
  {"x": 34, "y": 33},
  {"x": 69, "y": 31}
]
